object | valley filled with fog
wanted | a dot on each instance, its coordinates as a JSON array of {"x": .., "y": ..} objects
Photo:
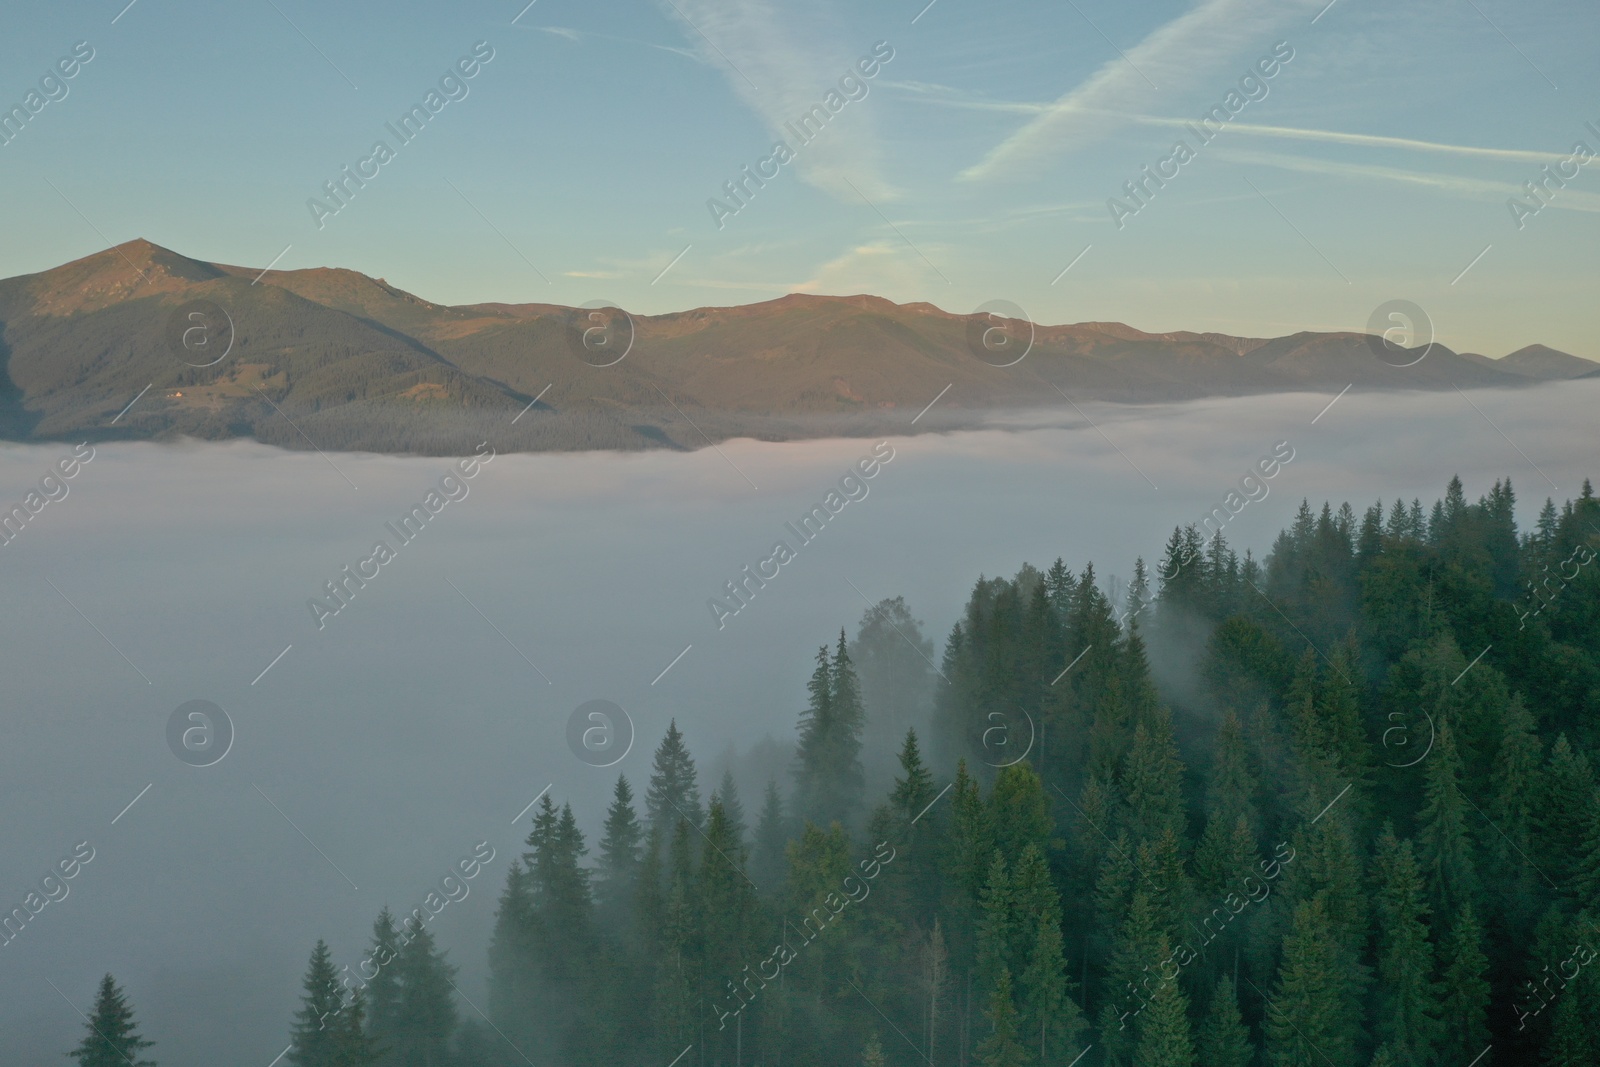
[{"x": 391, "y": 737}]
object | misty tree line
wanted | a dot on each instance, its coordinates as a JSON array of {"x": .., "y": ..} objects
[{"x": 1334, "y": 807}]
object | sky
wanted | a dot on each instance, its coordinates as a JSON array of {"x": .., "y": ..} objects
[{"x": 976, "y": 162}]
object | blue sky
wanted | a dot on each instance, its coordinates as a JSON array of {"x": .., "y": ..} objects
[{"x": 977, "y": 165}]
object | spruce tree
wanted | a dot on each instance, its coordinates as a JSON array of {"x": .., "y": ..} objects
[
  {"x": 617, "y": 869},
  {"x": 772, "y": 835},
  {"x": 1446, "y": 846},
  {"x": 353, "y": 1043},
  {"x": 383, "y": 987},
  {"x": 1224, "y": 1038},
  {"x": 1465, "y": 982},
  {"x": 113, "y": 1038},
  {"x": 1001, "y": 1048},
  {"x": 1408, "y": 1000},
  {"x": 427, "y": 1001},
  {"x": 1312, "y": 1017},
  {"x": 913, "y": 788},
  {"x": 732, "y": 809},
  {"x": 316, "y": 1024},
  {"x": 674, "y": 792},
  {"x": 1164, "y": 1039},
  {"x": 1049, "y": 1015}
]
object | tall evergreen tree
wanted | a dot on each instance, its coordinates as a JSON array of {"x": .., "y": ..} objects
[
  {"x": 674, "y": 792},
  {"x": 1408, "y": 1001},
  {"x": 772, "y": 835},
  {"x": 1446, "y": 858},
  {"x": 1164, "y": 1039},
  {"x": 1465, "y": 988},
  {"x": 1001, "y": 1048},
  {"x": 618, "y": 867},
  {"x": 427, "y": 1001},
  {"x": 1224, "y": 1038},
  {"x": 113, "y": 1038},
  {"x": 314, "y": 1040},
  {"x": 1312, "y": 1017},
  {"x": 383, "y": 986}
]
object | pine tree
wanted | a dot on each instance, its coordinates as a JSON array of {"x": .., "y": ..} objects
[
  {"x": 772, "y": 835},
  {"x": 314, "y": 1042},
  {"x": 1001, "y": 1048},
  {"x": 113, "y": 1039},
  {"x": 674, "y": 792},
  {"x": 1446, "y": 852},
  {"x": 913, "y": 788},
  {"x": 1164, "y": 1039},
  {"x": 383, "y": 987},
  {"x": 1465, "y": 981},
  {"x": 872, "y": 1052},
  {"x": 812, "y": 747},
  {"x": 618, "y": 866},
  {"x": 732, "y": 809},
  {"x": 1224, "y": 1038},
  {"x": 1312, "y": 1018},
  {"x": 427, "y": 1000},
  {"x": 1408, "y": 1001},
  {"x": 1049, "y": 1014},
  {"x": 849, "y": 718},
  {"x": 353, "y": 1043}
]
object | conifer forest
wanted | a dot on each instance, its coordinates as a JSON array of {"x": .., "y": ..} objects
[{"x": 1336, "y": 806}]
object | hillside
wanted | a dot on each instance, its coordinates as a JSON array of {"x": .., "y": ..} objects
[{"x": 350, "y": 362}]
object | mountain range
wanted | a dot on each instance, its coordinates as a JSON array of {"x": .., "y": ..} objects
[{"x": 334, "y": 359}]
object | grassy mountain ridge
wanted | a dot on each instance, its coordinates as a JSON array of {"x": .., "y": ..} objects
[{"x": 335, "y": 357}]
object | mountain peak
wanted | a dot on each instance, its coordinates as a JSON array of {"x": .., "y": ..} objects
[{"x": 129, "y": 271}]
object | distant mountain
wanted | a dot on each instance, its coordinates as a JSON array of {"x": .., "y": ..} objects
[{"x": 338, "y": 360}]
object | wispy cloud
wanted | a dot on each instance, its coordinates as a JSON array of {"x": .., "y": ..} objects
[
  {"x": 579, "y": 36},
  {"x": 1468, "y": 188},
  {"x": 952, "y": 97},
  {"x": 779, "y": 65},
  {"x": 1369, "y": 140},
  {"x": 1195, "y": 50}
]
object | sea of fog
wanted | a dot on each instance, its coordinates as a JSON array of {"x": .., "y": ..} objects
[{"x": 426, "y": 714}]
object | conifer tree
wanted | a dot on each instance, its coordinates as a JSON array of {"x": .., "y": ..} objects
[
  {"x": 872, "y": 1052},
  {"x": 1164, "y": 1039},
  {"x": 1312, "y": 1017},
  {"x": 383, "y": 987},
  {"x": 314, "y": 1042},
  {"x": 427, "y": 1000},
  {"x": 732, "y": 808},
  {"x": 1049, "y": 1015},
  {"x": 113, "y": 1038},
  {"x": 1465, "y": 982},
  {"x": 674, "y": 792},
  {"x": 1408, "y": 1001},
  {"x": 1446, "y": 847},
  {"x": 913, "y": 788},
  {"x": 1224, "y": 1038},
  {"x": 1001, "y": 1048},
  {"x": 354, "y": 1045},
  {"x": 772, "y": 835},
  {"x": 618, "y": 866}
]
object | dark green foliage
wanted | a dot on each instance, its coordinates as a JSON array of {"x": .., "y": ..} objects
[
  {"x": 1343, "y": 837},
  {"x": 112, "y": 1039}
]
